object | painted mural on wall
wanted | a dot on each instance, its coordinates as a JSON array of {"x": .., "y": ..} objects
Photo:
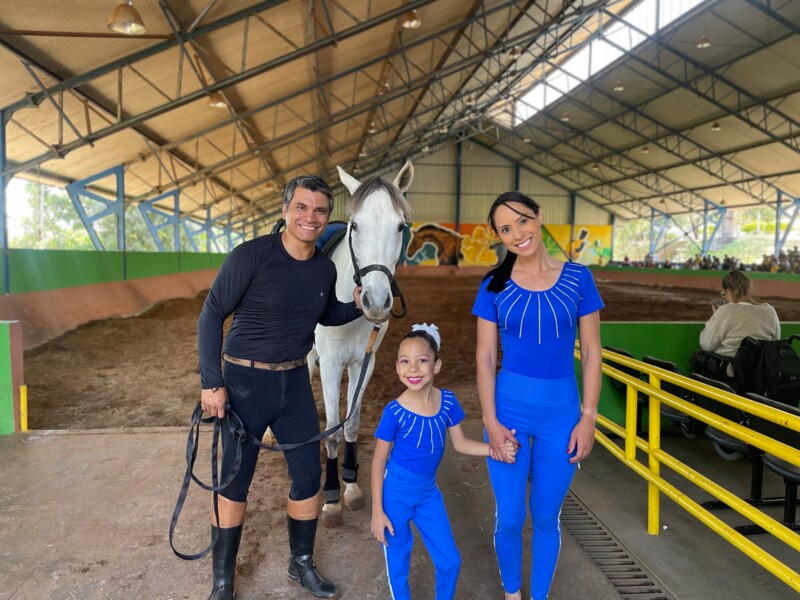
[
  {"x": 591, "y": 246},
  {"x": 476, "y": 245}
]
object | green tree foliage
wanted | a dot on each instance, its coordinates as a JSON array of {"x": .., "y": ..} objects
[
  {"x": 51, "y": 222},
  {"x": 754, "y": 237}
]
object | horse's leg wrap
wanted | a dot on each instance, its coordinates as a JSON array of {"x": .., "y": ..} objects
[
  {"x": 350, "y": 465},
  {"x": 331, "y": 486}
]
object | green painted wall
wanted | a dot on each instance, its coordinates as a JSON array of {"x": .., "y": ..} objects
[
  {"x": 6, "y": 382},
  {"x": 38, "y": 270},
  {"x": 669, "y": 341}
]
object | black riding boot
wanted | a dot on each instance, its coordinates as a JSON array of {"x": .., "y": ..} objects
[
  {"x": 302, "y": 569},
  {"x": 224, "y": 561}
]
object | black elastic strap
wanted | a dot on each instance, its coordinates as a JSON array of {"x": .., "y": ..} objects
[{"x": 239, "y": 435}]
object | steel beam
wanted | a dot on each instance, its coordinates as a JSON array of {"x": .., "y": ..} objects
[{"x": 713, "y": 87}]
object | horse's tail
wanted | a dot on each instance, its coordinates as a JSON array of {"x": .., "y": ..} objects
[{"x": 313, "y": 362}]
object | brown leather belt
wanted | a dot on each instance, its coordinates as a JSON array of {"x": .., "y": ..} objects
[{"x": 256, "y": 364}]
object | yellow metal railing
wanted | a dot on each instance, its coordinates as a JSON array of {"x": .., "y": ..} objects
[{"x": 658, "y": 457}]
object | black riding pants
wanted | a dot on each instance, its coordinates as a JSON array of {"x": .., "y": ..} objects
[{"x": 284, "y": 402}]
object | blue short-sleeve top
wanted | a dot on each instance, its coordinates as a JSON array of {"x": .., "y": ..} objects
[
  {"x": 537, "y": 329},
  {"x": 419, "y": 440}
]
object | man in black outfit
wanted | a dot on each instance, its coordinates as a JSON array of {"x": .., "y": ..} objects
[{"x": 278, "y": 287}]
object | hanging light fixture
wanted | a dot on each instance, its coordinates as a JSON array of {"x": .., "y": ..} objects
[
  {"x": 619, "y": 87},
  {"x": 372, "y": 128},
  {"x": 703, "y": 42},
  {"x": 527, "y": 140},
  {"x": 565, "y": 118},
  {"x": 471, "y": 99},
  {"x": 715, "y": 126},
  {"x": 126, "y": 19},
  {"x": 595, "y": 167},
  {"x": 443, "y": 129},
  {"x": 217, "y": 100},
  {"x": 411, "y": 20},
  {"x": 514, "y": 52},
  {"x": 362, "y": 153},
  {"x": 425, "y": 149},
  {"x": 646, "y": 150}
]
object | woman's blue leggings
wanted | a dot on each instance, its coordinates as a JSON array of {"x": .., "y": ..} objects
[
  {"x": 544, "y": 412},
  {"x": 408, "y": 497}
]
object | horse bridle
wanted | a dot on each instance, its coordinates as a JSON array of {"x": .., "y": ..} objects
[{"x": 359, "y": 273}]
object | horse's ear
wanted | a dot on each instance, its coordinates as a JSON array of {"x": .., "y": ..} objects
[
  {"x": 404, "y": 177},
  {"x": 350, "y": 182}
]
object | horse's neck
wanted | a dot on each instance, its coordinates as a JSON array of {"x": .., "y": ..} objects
[{"x": 344, "y": 271}]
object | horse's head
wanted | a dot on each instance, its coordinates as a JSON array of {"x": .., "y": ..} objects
[{"x": 377, "y": 213}]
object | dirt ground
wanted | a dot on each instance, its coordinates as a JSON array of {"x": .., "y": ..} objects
[{"x": 142, "y": 371}]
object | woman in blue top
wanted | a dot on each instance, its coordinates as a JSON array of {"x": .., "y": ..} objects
[
  {"x": 409, "y": 447},
  {"x": 534, "y": 303}
]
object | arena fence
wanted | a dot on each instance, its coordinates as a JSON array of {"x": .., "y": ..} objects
[{"x": 657, "y": 457}]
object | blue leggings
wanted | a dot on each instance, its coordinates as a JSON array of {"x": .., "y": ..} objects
[
  {"x": 544, "y": 412},
  {"x": 407, "y": 497}
]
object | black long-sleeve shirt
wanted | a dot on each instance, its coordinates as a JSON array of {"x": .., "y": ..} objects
[{"x": 277, "y": 302}]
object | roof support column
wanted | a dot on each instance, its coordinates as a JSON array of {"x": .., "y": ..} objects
[
  {"x": 573, "y": 207},
  {"x": 780, "y": 240},
  {"x": 715, "y": 219},
  {"x": 459, "y": 173},
  {"x": 4, "y": 179}
]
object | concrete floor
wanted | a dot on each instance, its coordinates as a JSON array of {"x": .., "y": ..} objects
[{"x": 85, "y": 515}]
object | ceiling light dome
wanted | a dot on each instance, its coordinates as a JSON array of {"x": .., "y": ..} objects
[
  {"x": 703, "y": 42},
  {"x": 411, "y": 20},
  {"x": 217, "y": 100},
  {"x": 126, "y": 19}
]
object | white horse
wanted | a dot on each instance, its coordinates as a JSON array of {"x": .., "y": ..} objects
[{"x": 377, "y": 214}]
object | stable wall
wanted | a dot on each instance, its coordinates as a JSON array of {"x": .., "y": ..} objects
[
  {"x": 38, "y": 270},
  {"x": 765, "y": 285},
  {"x": 47, "y": 314}
]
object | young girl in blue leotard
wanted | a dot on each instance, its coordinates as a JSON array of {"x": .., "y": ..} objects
[
  {"x": 410, "y": 444},
  {"x": 534, "y": 303}
]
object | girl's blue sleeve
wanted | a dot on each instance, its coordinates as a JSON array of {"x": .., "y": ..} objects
[{"x": 387, "y": 427}]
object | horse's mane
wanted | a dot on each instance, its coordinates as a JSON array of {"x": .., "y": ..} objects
[{"x": 399, "y": 202}]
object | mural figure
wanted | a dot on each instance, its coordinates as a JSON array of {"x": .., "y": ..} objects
[{"x": 446, "y": 241}]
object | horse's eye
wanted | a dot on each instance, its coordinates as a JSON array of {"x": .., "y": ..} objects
[
  {"x": 353, "y": 226},
  {"x": 401, "y": 227}
]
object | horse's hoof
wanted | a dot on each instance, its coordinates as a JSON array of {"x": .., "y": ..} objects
[
  {"x": 354, "y": 502},
  {"x": 331, "y": 515}
]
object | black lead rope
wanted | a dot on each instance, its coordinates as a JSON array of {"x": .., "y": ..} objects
[{"x": 240, "y": 435}]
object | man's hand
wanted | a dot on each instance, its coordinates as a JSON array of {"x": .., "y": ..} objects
[
  {"x": 214, "y": 401},
  {"x": 357, "y": 296}
]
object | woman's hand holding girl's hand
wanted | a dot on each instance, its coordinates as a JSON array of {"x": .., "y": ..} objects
[
  {"x": 380, "y": 523},
  {"x": 498, "y": 435},
  {"x": 510, "y": 449}
]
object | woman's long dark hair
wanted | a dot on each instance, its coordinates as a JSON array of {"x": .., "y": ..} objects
[{"x": 502, "y": 272}]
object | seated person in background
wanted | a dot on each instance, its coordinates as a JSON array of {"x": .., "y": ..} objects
[{"x": 738, "y": 317}]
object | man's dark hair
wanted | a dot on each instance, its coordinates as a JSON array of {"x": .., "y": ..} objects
[{"x": 308, "y": 182}]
